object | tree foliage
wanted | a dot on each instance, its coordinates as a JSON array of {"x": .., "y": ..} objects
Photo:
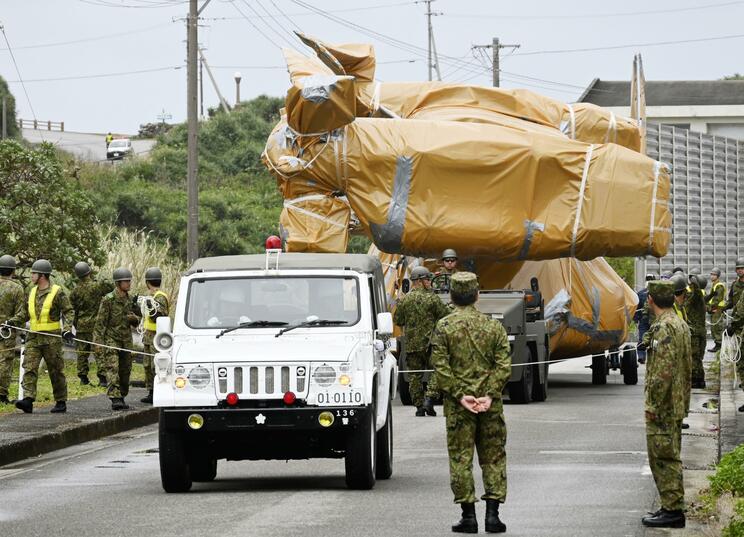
[
  {"x": 43, "y": 212},
  {"x": 10, "y": 109}
]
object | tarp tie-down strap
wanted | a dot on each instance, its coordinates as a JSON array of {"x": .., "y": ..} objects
[
  {"x": 611, "y": 135},
  {"x": 292, "y": 206},
  {"x": 580, "y": 203},
  {"x": 652, "y": 223},
  {"x": 572, "y": 121},
  {"x": 376, "y": 98}
]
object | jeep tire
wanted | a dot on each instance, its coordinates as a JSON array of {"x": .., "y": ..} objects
[
  {"x": 384, "y": 468},
  {"x": 175, "y": 473},
  {"x": 361, "y": 453}
]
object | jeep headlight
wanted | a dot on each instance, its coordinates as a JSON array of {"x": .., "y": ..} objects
[
  {"x": 199, "y": 377},
  {"x": 324, "y": 375}
]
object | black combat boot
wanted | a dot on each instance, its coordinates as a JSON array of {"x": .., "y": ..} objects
[
  {"x": 4, "y": 400},
  {"x": 59, "y": 407},
  {"x": 468, "y": 523},
  {"x": 117, "y": 403},
  {"x": 147, "y": 398},
  {"x": 26, "y": 404},
  {"x": 493, "y": 522},
  {"x": 102, "y": 381},
  {"x": 84, "y": 380},
  {"x": 665, "y": 519},
  {"x": 420, "y": 411},
  {"x": 429, "y": 407}
]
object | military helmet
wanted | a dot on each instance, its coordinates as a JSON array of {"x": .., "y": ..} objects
[
  {"x": 666, "y": 275},
  {"x": 7, "y": 262},
  {"x": 694, "y": 271},
  {"x": 153, "y": 273},
  {"x": 675, "y": 270},
  {"x": 41, "y": 266},
  {"x": 82, "y": 269},
  {"x": 702, "y": 281},
  {"x": 122, "y": 274},
  {"x": 449, "y": 253},
  {"x": 419, "y": 273},
  {"x": 650, "y": 277},
  {"x": 740, "y": 262},
  {"x": 680, "y": 283},
  {"x": 716, "y": 271}
]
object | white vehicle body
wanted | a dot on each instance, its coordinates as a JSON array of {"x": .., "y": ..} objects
[
  {"x": 119, "y": 148},
  {"x": 253, "y": 393}
]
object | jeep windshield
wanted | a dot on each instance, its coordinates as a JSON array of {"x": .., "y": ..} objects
[{"x": 261, "y": 302}]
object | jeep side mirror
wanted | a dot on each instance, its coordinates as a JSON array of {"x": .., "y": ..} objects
[
  {"x": 406, "y": 285},
  {"x": 385, "y": 324}
]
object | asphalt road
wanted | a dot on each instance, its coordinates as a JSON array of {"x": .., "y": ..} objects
[
  {"x": 86, "y": 146},
  {"x": 576, "y": 467}
]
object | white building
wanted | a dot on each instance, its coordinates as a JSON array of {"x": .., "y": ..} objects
[{"x": 713, "y": 107}]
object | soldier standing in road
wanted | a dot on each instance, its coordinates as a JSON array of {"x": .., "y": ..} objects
[
  {"x": 695, "y": 308},
  {"x": 470, "y": 354},
  {"x": 449, "y": 262},
  {"x": 50, "y": 312},
  {"x": 737, "y": 287},
  {"x": 680, "y": 294},
  {"x": 418, "y": 312},
  {"x": 736, "y": 326},
  {"x": 86, "y": 299},
  {"x": 716, "y": 301},
  {"x": 109, "y": 139},
  {"x": 641, "y": 317},
  {"x": 12, "y": 313},
  {"x": 667, "y": 395},
  {"x": 114, "y": 328},
  {"x": 153, "y": 279}
]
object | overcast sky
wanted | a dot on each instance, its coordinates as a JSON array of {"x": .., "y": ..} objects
[{"x": 54, "y": 39}]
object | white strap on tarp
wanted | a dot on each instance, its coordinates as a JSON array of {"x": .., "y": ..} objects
[
  {"x": 611, "y": 135},
  {"x": 572, "y": 121},
  {"x": 291, "y": 205},
  {"x": 376, "y": 97},
  {"x": 580, "y": 203},
  {"x": 652, "y": 222}
]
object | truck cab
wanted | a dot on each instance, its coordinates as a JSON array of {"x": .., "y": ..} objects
[{"x": 277, "y": 356}]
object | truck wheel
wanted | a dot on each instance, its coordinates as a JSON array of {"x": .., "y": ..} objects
[
  {"x": 203, "y": 468},
  {"x": 385, "y": 447},
  {"x": 404, "y": 390},
  {"x": 521, "y": 390},
  {"x": 175, "y": 474},
  {"x": 539, "y": 389},
  {"x": 630, "y": 367},
  {"x": 361, "y": 452},
  {"x": 599, "y": 369}
]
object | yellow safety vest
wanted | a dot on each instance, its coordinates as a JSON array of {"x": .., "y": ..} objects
[
  {"x": 42, "y": 323},
  {"x": 149, "y": 321},
  {"x": 722, "y": 303},
  {"x": 680, "y": 311}
]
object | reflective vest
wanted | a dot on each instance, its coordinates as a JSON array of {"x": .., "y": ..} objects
[
  {"x": 722, "y": 303},
  {"x": 680, "y": 311},
  {"x": 150, "y": 321},
  {"x": 41, "y": 323}
]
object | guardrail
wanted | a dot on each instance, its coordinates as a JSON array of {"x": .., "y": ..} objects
[{"x": 41, "y": 125}]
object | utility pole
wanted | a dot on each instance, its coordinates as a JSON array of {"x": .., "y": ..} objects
[
  {"x": 192, "y": 181},
  {"x": 5, "y": 119},
  {"x": 201, "y": 88},
  {"x": 238, "y": 78},
  {"x": 431, "y": 46},
  {"x": 495, "y": 47}
]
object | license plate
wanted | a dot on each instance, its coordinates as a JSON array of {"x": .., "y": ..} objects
[
  {"x": 347, "y": 397},
  {"x": 116, "y": 154}
]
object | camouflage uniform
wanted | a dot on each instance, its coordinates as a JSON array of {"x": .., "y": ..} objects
[
  {"x": 716, "y": 304},
  {"x": 695, "y": 308},
  {"x": 38, "y": 346},
  {"x": 86, "y": 299},
  {"x": 667, "y": 394},
  {"x": 470, "y": 354},
  {"x": 113, "y": 327},
  {"x": 735, "y": 293},
  {"x": 418, "y": 312},
  {"x": 149, "y": 335},
  {"x": 12, "y": 312},
  {"x": 737, "y": 325}
]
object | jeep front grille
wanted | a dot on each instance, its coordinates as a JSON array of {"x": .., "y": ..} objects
[{"x": 261, "y": 381}]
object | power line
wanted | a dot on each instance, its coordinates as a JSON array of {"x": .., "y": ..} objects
[
  {"x": 634, "y": 45},
  {"x": 269, "y": 39},
  {"x": 594, "y": 15},
  {"x": 18, "y": 71},
  {"x": 293, "y": 23},
  {"x": 142, "y": 4},
  {"x": 89, "y": 39},
  {"x": 306, "y": 13},
  {"x": 99, "y": 75},
  {"x": 266, "y": 22}
]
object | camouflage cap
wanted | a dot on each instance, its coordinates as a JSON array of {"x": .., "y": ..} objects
[
  {"x": 463, "y": 282},
  {"x": 660, "y": 289}
]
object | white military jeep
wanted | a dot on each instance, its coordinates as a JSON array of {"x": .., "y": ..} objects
[{"x": 277, "y": 356}]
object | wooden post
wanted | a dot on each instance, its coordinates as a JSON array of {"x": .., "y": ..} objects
[
  {"x": 62, "y": 126},
  {"x": 49, "y": 125},
  {"x": 36, "y": 125}
]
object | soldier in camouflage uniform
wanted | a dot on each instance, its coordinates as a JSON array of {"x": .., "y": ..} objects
[
  {"x": 667, "y": 394},
  {"x": 418, "y": 312},
  {"x": 470, "y": 354},
  {"x": 736, "y": 291},
  {"x": 736, "y": 326},
  {"x": 153, "y": 279},
  {"x": 696, "y": 312},
  {"x": 12, "y": 313},
  {"x": 114, "y": 322},
  {"x": 86, "y": 299},
  {"x": 50, "y": 312},
  {"x": 716, "y": 301}
]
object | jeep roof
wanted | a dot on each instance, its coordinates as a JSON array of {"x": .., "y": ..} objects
[{"x": 357, "y": 262}]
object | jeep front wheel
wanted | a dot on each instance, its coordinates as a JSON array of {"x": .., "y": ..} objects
[
  {"x": 175, "y": 474},
  {"x": 361, "y": 453}
]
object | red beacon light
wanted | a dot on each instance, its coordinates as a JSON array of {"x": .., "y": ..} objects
[
  {"x": 289, "y": 398},
  {"x": 232, "y": 399},
  {"x": 273, "y": 243}
]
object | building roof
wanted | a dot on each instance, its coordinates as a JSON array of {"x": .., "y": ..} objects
[
  {"x": 666, "y": 92},
  {"x": 357, "y": 262}
]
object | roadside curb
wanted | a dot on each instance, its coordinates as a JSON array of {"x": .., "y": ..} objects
[{"x": 75, "y": 433}]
